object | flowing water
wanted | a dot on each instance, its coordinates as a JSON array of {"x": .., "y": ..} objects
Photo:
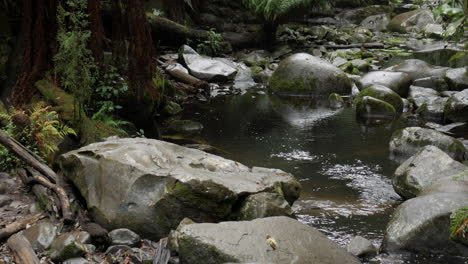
[{"x": 343, "y": 165}]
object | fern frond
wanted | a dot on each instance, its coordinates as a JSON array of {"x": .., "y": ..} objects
[{"x": 270, "y": 10}]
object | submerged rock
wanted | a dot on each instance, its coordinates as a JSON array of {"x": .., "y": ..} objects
[
  {"x": 407, "y": 142},
  {"x": 183, "y": 126},
  {"x": 411, "y": 21},
  {"x": 421, "y": 171},
  {"x": 370, "y": 107},
  {"x": 149, "y": 186},
  {"x": 399, "y": 82},
  {"x": 456, "y": 109},
  {"x": 422, "y": 224},
  {"x": 205, "y": 68},
  {"x": 305, "y": 75},
  {"x": 279, "y": 240}
]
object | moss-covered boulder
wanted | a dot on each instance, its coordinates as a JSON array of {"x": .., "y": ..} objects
[
  {"x": 302, "y": 74},
  {"x": 407, "y": 142},
  {"x": 456, "y": 109},
  {"x": 382, "y": 93},
  {"x": 411, "y": 21},
  {"x": 335, "y": 101},
  {"x": 370, "y": 107},
  {"x": 149, "y": 186}
]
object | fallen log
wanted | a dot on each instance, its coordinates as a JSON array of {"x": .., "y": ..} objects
[
  {"x": 17, "y": 226},
  {"x": 37, "y": 177},
  {"x": 23, "y": 249},
  {"x": 186, "y": 78},
  {"x": 25, "y": 155}
]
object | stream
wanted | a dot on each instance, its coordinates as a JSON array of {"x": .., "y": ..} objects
[{"x": 343, "y": 165}]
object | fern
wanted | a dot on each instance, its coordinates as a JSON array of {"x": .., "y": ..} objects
[
  {"x": 270, "y": 10},
  {"x": 459, "y": 223}
]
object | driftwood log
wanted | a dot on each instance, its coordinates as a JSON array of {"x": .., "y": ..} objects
[
  {"x": 17, "y": 226},
  {"x": 23, "y": 249},
  {"x": 40, "y": 172}
]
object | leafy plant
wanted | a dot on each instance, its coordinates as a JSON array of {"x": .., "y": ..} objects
[
  {"x": 270, "y": 10},
  {"x": 459, "y": 223},
  {"x": 40, "y": 131},
  {"x": 213, "y": 45},
  {"x": 74, "y": 61}
]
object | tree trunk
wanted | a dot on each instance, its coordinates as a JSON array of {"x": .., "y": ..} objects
[
  {"x": 119, "y": 35},
  {"x": 141, "y": 51},
  {"x": 97, "y": 29},
  {"x": 37, "y": 37},
  {"x": 175, "y": 10}
]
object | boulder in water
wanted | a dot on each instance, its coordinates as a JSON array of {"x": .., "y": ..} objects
[
  {"x": 399, "y": 82},
  {"x": 407, "y": 142},
  {"x": 302, "y": 74},
  {"x": 382, "y": 93},
  {"x": 370, "y": 107}
]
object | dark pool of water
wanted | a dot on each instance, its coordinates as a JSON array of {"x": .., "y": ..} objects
[{"x": 343, "y": 165}]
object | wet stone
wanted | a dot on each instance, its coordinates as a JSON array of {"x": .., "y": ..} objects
[
  {"x": 41, "y": 235},
  {"x": 124, "y": 236}
]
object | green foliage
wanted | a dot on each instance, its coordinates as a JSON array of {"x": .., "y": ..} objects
[
  {"x": 459, "y": 223},
  {"x": 270, "y": 10},
  {"x": 74, "y": 61},
  {"x": 213, "y": 45},
  {"x": 455, "y": 14},
  {"x": 41, "y": 135}
]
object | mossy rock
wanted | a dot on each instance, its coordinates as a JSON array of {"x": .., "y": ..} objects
[
  {"x": 370, "y": 107},
  {"x": 302, "y": 74},
  {"x": 456, "y": 108},
  {"x": 382, "y": 93},
  {"x": 335, "y": 101}
]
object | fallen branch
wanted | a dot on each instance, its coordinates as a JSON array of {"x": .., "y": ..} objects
[
  {"x": 62, "y": 195},
  {"x": 17, "y": 226},
  {"x": 23, "y": 249},
  {"x": 25, "y": 155},
  {"x": 351, "y": 46},
  {"x": 186, "y": 78}
]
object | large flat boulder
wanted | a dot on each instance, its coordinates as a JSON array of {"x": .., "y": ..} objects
[
  {"x": 418, "y": 69},
  {"x": 279, "y": 240},
  {"x": 420, "y": 171},
  {"x": 422, "y": 224},
  {"x": 206, "y": 68},
  {"x": 149, "y": 186},
  {"x": 302, "y": 74},
  {"x": 407, "y": 142}
]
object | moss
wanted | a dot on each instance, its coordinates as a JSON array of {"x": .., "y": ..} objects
[
  {"x": 392, "y": 98},
  {"x": 422, "y": 109},
  {"x": 192, "y": 250},
  {"x": 294, "y": 86},
  {"x": 372, "y": 107}
]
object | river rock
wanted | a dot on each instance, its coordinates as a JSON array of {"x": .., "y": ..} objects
[
  {"x": 421, "y": 95},
  {"x": 124, "y": 236},
  {"x": 411, "y": 21},
  {"x": 418, "y": 69},
  {"x": 437, "y": 83},
  {"x": 183, "y": 126},
  {"x": 420, "y": 171},
  {"x": 456, "y": 108},
  {"x": 428, "y": 103},
  {"x": 457, "y": 79},
  {"x": 99, "y": 235},
  {"x": 268, "y": 240},
  {"x": 407, "y": 142},
  {"x": 66, "y": 246},
  {"x": 370, "y": 107},
  {"x": 422, "y": 224},
  {"x": 361, "y": 247},
  {"x": 452, "y": 184},
  {"x": 399, "y": 82},
  {"x": 41, "y": 235},
  {"x": 434, "y": 31},
  {"x": 335, "y": 101},
  {"x": 382, "y": 93},
  {"x": 264, "y": 205},
  {"x": 149, "y": 186},
  {"x": 439, "y": 54},
  {"x": 76, "y": 261},
  {"x": 205, "y": 68},
  {"x": 376, "y": 22},
  {"x": 356, "y": 16},
  {"x": 304, "y": 74}
]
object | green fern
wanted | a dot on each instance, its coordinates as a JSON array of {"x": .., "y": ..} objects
[
  {"x": 270, "y": 10},
  {"x": 459, "y": 223}
]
